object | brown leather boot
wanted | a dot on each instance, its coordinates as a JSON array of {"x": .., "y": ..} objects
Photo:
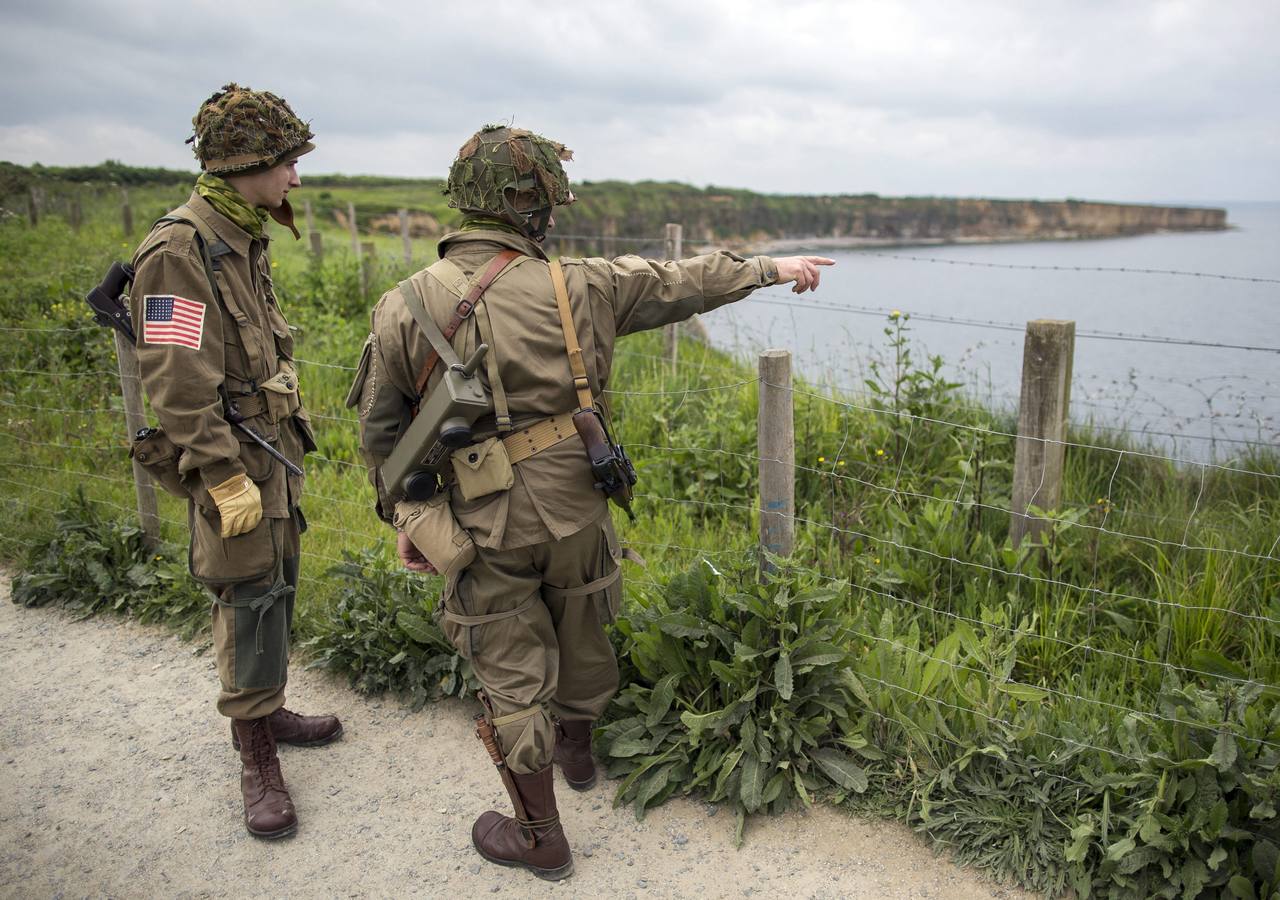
[
  {"x": 288, "y": 727},
  {"x": 573, "y": 753},
  {"x": 268, "y": 808},
  {"x": 537, "y": 844}
]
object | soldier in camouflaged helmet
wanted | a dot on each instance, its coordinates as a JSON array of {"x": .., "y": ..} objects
[
  {"x": 513, "y": 175},
  {"x": 519, "y": 529},
  {"x": 210, "y": 334}
]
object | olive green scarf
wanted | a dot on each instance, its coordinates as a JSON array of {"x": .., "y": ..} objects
[
  {"x": 228, "y": 201},
  {"x": 474, "y": 222}
]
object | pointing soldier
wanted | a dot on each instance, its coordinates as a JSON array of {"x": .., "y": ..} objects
[
  {"x": 215, "y": 349},
  {"x": 519, "y": 526}
]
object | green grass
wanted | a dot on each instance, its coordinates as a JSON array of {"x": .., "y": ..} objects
[{"x": 1098, "y": 714}]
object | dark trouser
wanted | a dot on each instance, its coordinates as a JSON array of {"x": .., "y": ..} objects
[
  {"x": 252, "y": 617},
  {"x": 531, "y": 620}
]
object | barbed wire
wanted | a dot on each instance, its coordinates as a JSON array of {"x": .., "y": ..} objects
[
  {"x": 895, "y": 491},
  {"x": 1053, "y": 582},
  {"x": 762, "y": 298},
  {"x": 996, "y": 432},
  {"x": 1125, "y": 270}
]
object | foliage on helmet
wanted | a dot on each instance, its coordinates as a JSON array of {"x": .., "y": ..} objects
[
  {"x": 509, "y": 172},
  {"x": 238, "y": 129}
]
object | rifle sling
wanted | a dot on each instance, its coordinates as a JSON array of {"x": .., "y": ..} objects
[
  {"x": 574, "y": 350},
  {"x": 464, "y": 309}
]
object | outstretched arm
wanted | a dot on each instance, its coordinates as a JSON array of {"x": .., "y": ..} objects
[{"x": 803, "y": 270}]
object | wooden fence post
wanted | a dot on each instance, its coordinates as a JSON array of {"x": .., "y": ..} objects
[
  {"x": 355, "y": 242},
  {"x": 1042, "y": 423},
  {"x": 33, "y": 206},
  {"x": 368, "y": 259},
  {"x": 404, "y": 237},
  {"x": 134, "y": 419},
  {"x": 777, "y": 449},
  {"x": 75, "y": 212},
  {"x": 126, "y": 212},
  {"x": 671, "y": 334}
]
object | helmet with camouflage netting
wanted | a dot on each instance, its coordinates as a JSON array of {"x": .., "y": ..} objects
[
  {"x": 239, "y": 130},
  {"x": 513, "y": 174}
]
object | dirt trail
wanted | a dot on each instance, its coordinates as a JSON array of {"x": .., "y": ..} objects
[{"x": 117, "y": 779}]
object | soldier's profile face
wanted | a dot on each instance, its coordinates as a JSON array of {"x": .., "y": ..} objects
[{"x": 269, "y": 188}]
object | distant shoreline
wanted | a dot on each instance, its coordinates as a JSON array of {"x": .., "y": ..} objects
[{"x": 791, "y": 245}]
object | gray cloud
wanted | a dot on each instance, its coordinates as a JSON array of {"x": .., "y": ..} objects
[{"x": 1127, "y": 101}]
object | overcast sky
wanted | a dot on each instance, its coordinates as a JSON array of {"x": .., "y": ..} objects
[{"x": 1118, "y": 100}]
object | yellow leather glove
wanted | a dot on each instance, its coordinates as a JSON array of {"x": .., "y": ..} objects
[{"x": 239, "y": 504}]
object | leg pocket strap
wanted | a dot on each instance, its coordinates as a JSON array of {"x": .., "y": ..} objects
[
  {"x": 261, "y": 604},
  {"x": 591, "y": 587},
  {"x": 491, "y": 617},
  {"x": 517, "y": 716}
]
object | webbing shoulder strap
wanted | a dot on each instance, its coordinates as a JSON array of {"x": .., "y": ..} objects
[
  {"x": 574, "y": 350},
  {"x": 439, "y": 343},
  {"x": 463, "y": 310},
  {"x": 212, "y": 247}
]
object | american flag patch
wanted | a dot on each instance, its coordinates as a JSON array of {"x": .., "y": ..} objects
[{"x": 169, "y": 319}]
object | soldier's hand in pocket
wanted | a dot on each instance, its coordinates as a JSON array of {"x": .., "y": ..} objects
[
  {"x": 239, "y": 505},
  {"x": 411, "y": 556}
]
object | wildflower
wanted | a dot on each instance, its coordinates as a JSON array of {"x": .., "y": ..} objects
[
  {"x": 877, "y": 560},
  {"x": 274, "y": 264},
  {"x": 895, "y": 314},
  {"x": 879, "y": 451},
  {"x": 840, "y": 463},
  {"x": 822, "y": 459}
]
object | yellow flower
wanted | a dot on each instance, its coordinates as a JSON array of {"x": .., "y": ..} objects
[
  {"x": 877, "y": 560},
  {"x": 822, "y": 459},
  {"x": 895, "y": 314},
  {"x": 840, "y": 463},
  {"x": 274, "y": 264},
  {"x": 879, "y": 452}
]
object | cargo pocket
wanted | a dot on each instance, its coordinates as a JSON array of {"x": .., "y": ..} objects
[
  {"x": 447, "y": 615},
  {"x": 482, "y": 469},
  {"x": 609, "y": 600},
  {"x": 260, "y": 638},
  {"x": 158, "y": 455},
  {"x": 213, "y": 559}
]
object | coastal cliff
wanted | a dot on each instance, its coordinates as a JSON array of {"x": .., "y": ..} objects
[{"x": 745, "y": 218}]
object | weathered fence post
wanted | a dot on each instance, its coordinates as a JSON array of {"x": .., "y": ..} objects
[
  {"x": 75, "y": 212},
  {"x": 1042, "y": 423},
  {"x": 404, "y": 237},
  {"x": 355, "y": 242},
  {"x": 126, "y": 212},
  {"x": 674, "y": 250},
  {"x": 134, "y": 419},
  {"x": 777, "y": 449},
  {"x": 33, "y": 206},
  {"x": 368, "y": 260},
  {"x": 317, "y": 241}
]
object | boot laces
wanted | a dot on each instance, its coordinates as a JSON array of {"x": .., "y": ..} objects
[{"x": 265, "y": 759}]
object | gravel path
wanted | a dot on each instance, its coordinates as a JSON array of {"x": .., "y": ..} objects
[{"x": 117, "y": 779}]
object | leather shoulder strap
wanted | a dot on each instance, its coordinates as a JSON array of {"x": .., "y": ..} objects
[
  {"x": 463, "y": 310},
  {"x": 574, "y": 350}
]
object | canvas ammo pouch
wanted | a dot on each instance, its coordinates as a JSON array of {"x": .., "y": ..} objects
[
  {"x": 435, "y": 531},
  {"x": 158, "y": 455},
  {"x": 482, "y": 469}
]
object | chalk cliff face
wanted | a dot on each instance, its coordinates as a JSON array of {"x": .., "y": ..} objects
[{"x": 741, "y": 217}]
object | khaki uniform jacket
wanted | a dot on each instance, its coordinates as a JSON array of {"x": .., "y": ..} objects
[
  {"x": 553, "y": 494},
  {"x": 240, "y": 342}
]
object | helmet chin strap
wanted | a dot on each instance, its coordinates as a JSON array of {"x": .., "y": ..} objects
[{"x": 536, "y": 222}]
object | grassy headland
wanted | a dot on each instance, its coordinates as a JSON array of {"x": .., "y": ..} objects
[{"x": 1099, "y": 714}]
